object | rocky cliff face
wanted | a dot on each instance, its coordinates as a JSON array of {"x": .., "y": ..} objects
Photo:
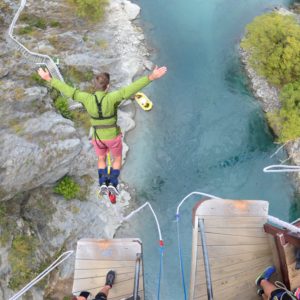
[{"x": 39, "y": 146}]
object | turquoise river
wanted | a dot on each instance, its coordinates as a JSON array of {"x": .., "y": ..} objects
[{"x": 206, "y": 132}]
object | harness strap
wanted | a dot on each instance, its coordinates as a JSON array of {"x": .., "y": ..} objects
[
  {"x": 105, "y": 126},
  {"x": 99, "y": 106}
]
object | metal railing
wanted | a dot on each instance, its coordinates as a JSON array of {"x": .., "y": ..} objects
[
  {"x": 36, "y": 58},
  {"x": 137, "y": 277},
  {"x": 201, "y": 227}
]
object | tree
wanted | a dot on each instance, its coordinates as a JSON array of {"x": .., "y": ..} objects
[
  {"x": 273, "y": 41},
  {"x": 287, "y": 119}
]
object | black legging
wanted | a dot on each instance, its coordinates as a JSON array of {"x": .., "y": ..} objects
[{"x": 100, "y": 296}]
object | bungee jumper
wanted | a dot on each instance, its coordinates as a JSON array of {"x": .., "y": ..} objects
[{"x": 102, "y": 109}]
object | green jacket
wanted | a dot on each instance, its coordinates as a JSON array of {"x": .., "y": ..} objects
[{"x": 110, "y": 103}]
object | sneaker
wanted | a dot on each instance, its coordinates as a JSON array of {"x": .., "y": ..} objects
[
  {"x": 260, "y": 292},
  {"x": 110, "y": 278},
  {"x": 103, "y": 189},
  {"x": 266, "y": 274},
  {"x": 113, "y": 190}
]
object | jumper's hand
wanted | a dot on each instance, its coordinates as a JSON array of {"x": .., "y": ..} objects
[
  {"x": 44, "y": 74},
  {"x": 158, "y": 72}
]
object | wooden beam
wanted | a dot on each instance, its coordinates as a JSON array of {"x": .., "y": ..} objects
[{"x": 292, "y": 238}]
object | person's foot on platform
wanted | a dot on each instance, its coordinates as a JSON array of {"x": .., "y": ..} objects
[
  {"x": 110, "y": 278},
  {"x": 266, "y": 274}
]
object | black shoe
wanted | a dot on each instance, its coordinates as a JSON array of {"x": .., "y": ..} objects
[
  {"x": 113, "y": 189},
  {"x": 260, "y": 292},
  {"x": 110, "y": 278}
]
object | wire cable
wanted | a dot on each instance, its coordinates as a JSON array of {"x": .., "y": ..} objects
[
  {"x": 281, "y": 169},
  {"x": 56, "y": 263},
  {"x": 161, "y": 242},
  {"x": 178, "y": 235}
]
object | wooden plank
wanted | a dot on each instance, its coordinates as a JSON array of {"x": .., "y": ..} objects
[
  {"x": 234, "y": 281},
  {"x": 83, "y": 264},
  {"x": 237, "y": 246},
  {"x": 222, "y": 207},
  {"x": 105, "y": 249},
  {"x": 94, "y": 258},
  {"x": 289, "y": 237},
  {"x": 275, "y": 256},
  {"x": 244, "y": 291},
  {"x": 234, "y": 222},
  {"x": 119, "y": 288},
  {"x": 216, "y": 251},
  {"x": 251, "y": 232},
  {"x": 194, "y": 257},
  {"x": 225, "y": 240},
  {"x": 290, "y": 252},
  {"x": 220, "y": 262},
  {"x": 102, "y": 272},
  {"x": 223, "y": 272},
  {"x": 118, "y": 297},
  {"x": 90, "y": 283}
]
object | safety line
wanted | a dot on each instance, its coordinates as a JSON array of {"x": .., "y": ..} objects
[
  {"x": 155, "y": 217},
  {"x": 178, "y": 235},
  {"x": 281, "y": 169},
  {"x": 161, "y": 242},
  {"x": 56, "y": 263}
]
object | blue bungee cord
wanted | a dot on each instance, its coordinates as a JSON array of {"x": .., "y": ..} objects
[
  {"x": 161, "y": 254},
  {"x": 178, "y": 235},
  {"x": 161, "y": 242},
  {"x": 180, "y": 257}
]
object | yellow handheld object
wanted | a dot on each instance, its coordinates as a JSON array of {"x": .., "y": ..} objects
[{"x": 143, "y": 101}]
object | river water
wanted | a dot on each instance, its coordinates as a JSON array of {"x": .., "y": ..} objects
[{"x": 206, "y": 132}]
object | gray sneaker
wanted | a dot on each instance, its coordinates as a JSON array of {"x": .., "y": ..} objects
[
  {"x": 113, "y": 190},
  {"x": 103, "y": 189}
]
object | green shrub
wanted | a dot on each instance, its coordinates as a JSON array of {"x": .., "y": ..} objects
[
  {"x": 273, "y": 41},
  {"x": 34, "y": 21},
  {"x": 93, "y": 10},
  {"x": 25, "y": 30},
  {"x": 287, "y": 119},
  {"x": 61, "y": 104},
  {"x": 22, "y": 260},
  {"x": 67, "y": 187},
  {"x": 54, "y": 23}
]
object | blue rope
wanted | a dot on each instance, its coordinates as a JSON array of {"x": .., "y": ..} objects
[
  {"x": 180, "y": 257},
  {"x": 161, "y": 249}
]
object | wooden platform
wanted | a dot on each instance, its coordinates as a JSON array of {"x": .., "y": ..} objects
[
  {"x": 94, "y": 258},
  {"x": 238, "y": 248}
]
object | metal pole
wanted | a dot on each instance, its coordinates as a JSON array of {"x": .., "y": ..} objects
[
  {"x": 206, "y": 260},
  {"x": 137, "y": 277}
]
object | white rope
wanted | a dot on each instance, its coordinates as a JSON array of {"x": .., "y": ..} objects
[
  {"x": 56, "y": 263},
  {"x": 283, "y": 224},
  {"x": 279, "y": 149},
  {"x": 155, "y": 217},
  {"x": 194, "y": 193},
  {"x": 281, "y": 169}
]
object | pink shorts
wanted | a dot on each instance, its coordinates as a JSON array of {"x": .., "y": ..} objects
[{"x": 113, "y": 146}]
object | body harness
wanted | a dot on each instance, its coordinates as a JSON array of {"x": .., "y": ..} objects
[{"x": 101, "y": 117}]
